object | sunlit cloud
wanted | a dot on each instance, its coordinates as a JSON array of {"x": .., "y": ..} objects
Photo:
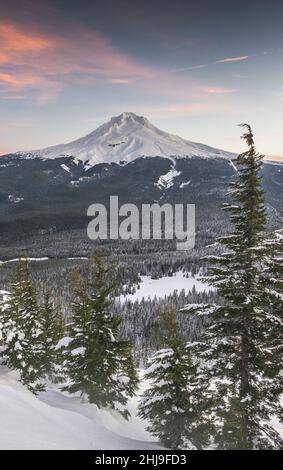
[
  {"x": 14, "y": 40},
  {"x": 18, "y": 81}
]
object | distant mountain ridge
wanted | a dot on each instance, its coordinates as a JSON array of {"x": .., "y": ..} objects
[{"x": 125, "y": 138}]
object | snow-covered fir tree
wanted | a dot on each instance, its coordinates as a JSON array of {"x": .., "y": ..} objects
[
  {"x": 274, "y": 272},
  {"x": 242, "y": 348},
  {"x": 22, "y": 331},
  {"x": 174, "y": 402},
  {"x": 99, "y": 364}
]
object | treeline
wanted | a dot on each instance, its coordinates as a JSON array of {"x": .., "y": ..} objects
[{"x": 141, "y": 319}]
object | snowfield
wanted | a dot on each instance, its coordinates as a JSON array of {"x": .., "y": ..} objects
[{"x": 57, "y": 421}]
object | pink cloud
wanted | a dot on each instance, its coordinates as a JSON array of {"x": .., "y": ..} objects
[
  {"x": 38, "y": 66},
  {"x": 14, "y": 40},
  {"x": 31, "y": 60}
]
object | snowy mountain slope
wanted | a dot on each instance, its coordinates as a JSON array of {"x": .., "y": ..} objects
[
  {"x": 57, "y": 421},
  {"x": 127, "y": 137}
]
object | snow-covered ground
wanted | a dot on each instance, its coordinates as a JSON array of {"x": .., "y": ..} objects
[
  {"x": 160, "y": 288},
  {"x": 57, "y": 421}
]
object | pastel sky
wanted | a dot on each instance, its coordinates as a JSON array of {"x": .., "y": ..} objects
[{"x": 194, "y": 68}]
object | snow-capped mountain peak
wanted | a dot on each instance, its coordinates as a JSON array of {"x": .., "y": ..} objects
[
  {"x": 125, "y": 138},
  {"x": 127, "y": 117}
]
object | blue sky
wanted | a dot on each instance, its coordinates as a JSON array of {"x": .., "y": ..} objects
[{"x": 194, "y": 68}]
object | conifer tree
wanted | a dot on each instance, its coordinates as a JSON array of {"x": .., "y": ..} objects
[
  {"x": 242, "y": 347},
  {"x": 52, "y": 325},
  {"x": 22, "y": 330},
  {"x": 100, "y": 366},
  {"x": 174, "y": 402}
]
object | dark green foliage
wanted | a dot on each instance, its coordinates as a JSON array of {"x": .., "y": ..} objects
[{"x": 100, "y": 365}]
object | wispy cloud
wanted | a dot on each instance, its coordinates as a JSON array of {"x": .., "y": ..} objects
[
  {"x": 232, "y": 59},
  {"x": 193, "y": 67},
  {"x": 203, "y": 66},
  {"x": 13, "y": 40},
  {"x": 219, "y": 90},
  {"x": 121, "y": 81}
]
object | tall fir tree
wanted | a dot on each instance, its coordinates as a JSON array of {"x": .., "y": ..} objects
[
  {"x": 100, "y": 366},
  {"x": 242, "y": 347},
  {"x": 22, "y": 331},
  {"x": 174, "y": 404}
]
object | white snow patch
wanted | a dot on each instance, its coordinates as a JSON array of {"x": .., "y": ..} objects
[
  {"x": 167, "y": 181},
  {"x": 16, "y": 260},
  {"x": 65, "y": 167},
  {"x": 185, "y": 183},
  {"x": 160, "y": 288},
  {"x": 15, "y": 199},
  {"x": 233, "y": 166}
]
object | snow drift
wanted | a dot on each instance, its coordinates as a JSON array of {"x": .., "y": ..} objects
[{"x": 57, "y": 421}]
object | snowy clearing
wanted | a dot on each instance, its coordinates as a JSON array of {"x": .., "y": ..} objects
[{"x": 160, "y": 288}]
